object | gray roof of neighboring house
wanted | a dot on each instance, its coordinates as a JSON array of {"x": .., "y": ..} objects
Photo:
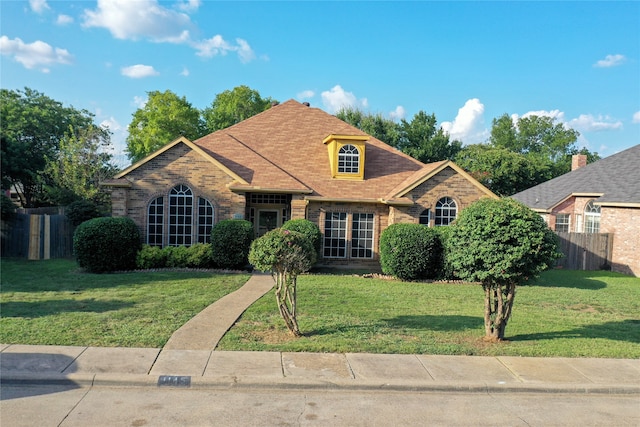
[{"x": 616, "y": 177}]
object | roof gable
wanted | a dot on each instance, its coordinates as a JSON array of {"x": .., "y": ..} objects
[
  {"x": 191, "y": 145},
  {"x": 613, "y": 181}
]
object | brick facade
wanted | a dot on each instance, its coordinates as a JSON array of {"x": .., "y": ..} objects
[{"x": 623, "y": 223}]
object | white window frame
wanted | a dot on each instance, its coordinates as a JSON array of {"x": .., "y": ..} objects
[
  {"x": 349, "y": 159},
  {"x": 362, "y": 237},
  {"x": 566, "y": 223},
  {"x": 591, "y": 218},
  {"x": 334, "y": 243},
  {"x": 444, "y": 208}
]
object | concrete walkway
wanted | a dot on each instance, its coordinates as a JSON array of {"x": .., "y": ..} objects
[
  {"x": 204, "y": 330},
  {"x": 188, "y": 359}
]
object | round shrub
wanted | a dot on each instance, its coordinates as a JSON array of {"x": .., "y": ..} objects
[
  {"x": 230, "y": 243},
  {"x": 107, "y": 244},
  {"x": 410, "y": 252},
  {"x": 309, "y": 229},
  {"x": 81, "y": 211}
]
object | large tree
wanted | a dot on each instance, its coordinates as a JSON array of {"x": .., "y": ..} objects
[
  {"x": 421, "y": 138},
  {"x": 164, "y": 117},
  {"x": 233, "y": 106},
  {"x": 499, "y": 243},
  {"x": 33, "y": 125},
  {"x": 81, "y": 164},
  {"x": 424, "y": 140}
]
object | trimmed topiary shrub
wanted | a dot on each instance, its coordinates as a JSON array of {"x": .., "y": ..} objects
[
  {"x": 107, "y": 244},
  {"x": 309, "y": 229},
  {"x": 81, "y": 211},
  {"x": 410, "y": 252},
  {"x": 151, "y": 257},
  {"x": 230, "y": 243},
  {"x": 286, "y": 254}
]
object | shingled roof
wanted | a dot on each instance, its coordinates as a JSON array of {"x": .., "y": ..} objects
[
  {"x": 613, "y": 181},
  {"x": 281, "y": 149}
]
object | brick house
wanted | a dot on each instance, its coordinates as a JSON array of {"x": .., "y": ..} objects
[
  {"x": 291, "y": 161},
  {"x": 601, "y": 197}
]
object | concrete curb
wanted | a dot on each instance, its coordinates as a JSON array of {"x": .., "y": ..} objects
[{"x": 302, "y": 384}]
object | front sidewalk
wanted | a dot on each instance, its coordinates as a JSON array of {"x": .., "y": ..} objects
[{"x": 94, "y": 366}]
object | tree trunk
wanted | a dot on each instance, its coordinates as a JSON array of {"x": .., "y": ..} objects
[
  {"x": 286, "y": 300},
  {"x": 498, "y": 305}
]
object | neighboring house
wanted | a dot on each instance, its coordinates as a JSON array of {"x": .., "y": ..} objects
[
  {"x": 602, "y": 197},
  {"x": 291, "y": 161}
]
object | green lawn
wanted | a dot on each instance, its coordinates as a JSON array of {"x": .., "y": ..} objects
[
  {"x": 564, "y": 313},
  {"x": 52, "y": 302}
]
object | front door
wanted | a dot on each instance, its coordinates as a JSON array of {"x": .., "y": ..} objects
[{"x": 267, "y": 221}]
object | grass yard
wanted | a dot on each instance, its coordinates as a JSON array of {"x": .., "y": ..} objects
[
  {"x": 564, "y": 313},
  {"x": 52, "y": 302}
]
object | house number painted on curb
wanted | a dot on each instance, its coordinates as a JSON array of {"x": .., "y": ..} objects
[{"x": 174, "y": 381}]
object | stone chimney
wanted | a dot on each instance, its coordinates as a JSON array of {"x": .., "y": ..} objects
[{"x": 578, "y": 161}]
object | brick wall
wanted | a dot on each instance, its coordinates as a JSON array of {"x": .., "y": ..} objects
[
  {"x": 625, "y": 224},
  {"x": 447, "y": 183},
  {"x": 179, "y": 165}
]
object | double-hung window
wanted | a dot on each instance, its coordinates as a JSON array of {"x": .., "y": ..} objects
[
  {"x": 335, "y": 235},
  {"x": 562, "y": 223}
]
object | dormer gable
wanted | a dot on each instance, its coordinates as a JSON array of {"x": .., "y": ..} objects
[{"x": 346, "y": 155}]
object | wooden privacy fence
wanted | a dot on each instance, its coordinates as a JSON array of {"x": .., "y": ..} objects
[
  {"x": 585, "y": 251},
  {"x": 37, "y": 237}
]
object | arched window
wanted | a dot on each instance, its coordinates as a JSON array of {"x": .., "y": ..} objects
[
  {"x": 155, "y": 222},
  {"x": 446, "y": 211},
  {"x": 349, "y": 159},
  {"x": 591, "y": 218},
  {"x": 180, "y": 216},
  {"x": 180, "y": 222},
  {"x": 425, "y": 217}
]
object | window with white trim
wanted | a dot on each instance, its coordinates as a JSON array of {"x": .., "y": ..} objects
[
  {"x": 362, "y": 235},
  {"x": 425, "y": 218},
  {"x": 446, "y": 211},
  {"x": 155, "y": 222},
  {"x": 349, "y": 159},
  {"x": 205, "y": 220},
  {"x": 179, "y": 219},
  {"x": 562, "y": 223},
  {"x": 335, "y": 235},
  {"x": 591, "y": 218}
]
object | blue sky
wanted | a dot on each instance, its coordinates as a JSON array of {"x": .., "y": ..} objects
[{"x": 466, "y": 62}]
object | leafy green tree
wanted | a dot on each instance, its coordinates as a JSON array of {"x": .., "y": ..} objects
[
  {"x": 420, "y": 138},
  {"x": 165, "y": 117},
  {"x": 424, "y": 140},
  {"x": 286, "y": 254},
  {"x": 502, "y": 171},
  {"x": 32, "y": 127},
  {"x": 79, "y": 167},
  {"x": 385, "y": 130},
  {"x": 233, "y": 106},
  {"x": 499, "y": 243}
]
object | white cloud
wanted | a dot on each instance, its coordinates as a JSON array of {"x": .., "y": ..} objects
[
  {"x": 468, "y": 126},
  {"x": 610, "y": 61},
  {"x": 184, "y": 72},
  {"x": 217, "y": 45},
  {"x": 133, "y": 20},
  {"x": 140, "y": 101},
  {"x": 306, "y": 94},
  {"x": 37, "y": 54},
  {"x": 636, "y": 117},
  {"x": 64, "y": 20},
  {"x": 139, "y": 71},
  {"x": 398, "y": 114},
  {"x": 189, "y": 5},
  {"x": 337, "y": 98},
  {"x": 39, "y": 6},
  {"x": 589, "y": 123},
  {"x": 554, "y": 114}
]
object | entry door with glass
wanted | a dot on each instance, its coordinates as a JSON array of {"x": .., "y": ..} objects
[{"x": 267, "y": 221}]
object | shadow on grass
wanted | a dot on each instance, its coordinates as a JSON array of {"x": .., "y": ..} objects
[
  {"x": 626, "y": 330},
  {"x": 46, "y": 308},
  {"x": 425, "y": 322},
  {"x": 570, "y": 279}
]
